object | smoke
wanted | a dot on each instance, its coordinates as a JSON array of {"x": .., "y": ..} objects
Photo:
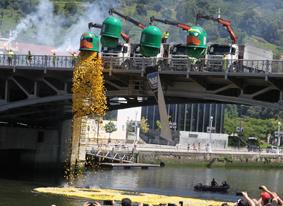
[
  {"x": 49, "y": 29},
  {"x": 42, "y": 21},
  {"x": 93, "y": 13}
]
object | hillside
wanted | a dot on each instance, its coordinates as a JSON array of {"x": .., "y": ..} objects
[{"x": 256, "y": 21}]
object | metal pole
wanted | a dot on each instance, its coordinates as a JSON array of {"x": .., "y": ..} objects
[
  {"x": 279, "y": 137},
  {"x": 136, "y": 129},
  {"x": 210, "y": 130}
]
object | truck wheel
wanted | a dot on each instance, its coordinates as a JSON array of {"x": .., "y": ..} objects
[{"x": 126, "y": 65}]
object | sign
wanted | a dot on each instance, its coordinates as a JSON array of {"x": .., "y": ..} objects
[{"x": 153, "y": 80}]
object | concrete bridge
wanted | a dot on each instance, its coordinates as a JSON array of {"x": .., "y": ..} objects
[
  {"x": 36, "y": 99},
  {"x": 38, "y": 92}
]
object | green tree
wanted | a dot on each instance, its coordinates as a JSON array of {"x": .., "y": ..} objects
[
  {"x": 109, "y": 128},
  {"x": 158, "y": 125},
  {"x": 144, "y": 125}
]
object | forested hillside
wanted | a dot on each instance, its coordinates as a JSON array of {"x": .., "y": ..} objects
[{"x": 257, "y": 21}]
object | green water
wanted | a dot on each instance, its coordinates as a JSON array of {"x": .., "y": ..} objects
[{"x": 168, "y": 180}]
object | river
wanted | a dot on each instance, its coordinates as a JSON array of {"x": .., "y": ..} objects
[{"x": 168, "y": 180}]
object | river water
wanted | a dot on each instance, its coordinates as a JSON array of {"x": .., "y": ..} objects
[{"x": 168, "y": 180}]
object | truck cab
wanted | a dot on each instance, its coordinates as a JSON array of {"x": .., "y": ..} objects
[
  {"x": 139, "y": 61},
  {"x": 118, "y": 56},
  {"x": 220, "y": 54}
]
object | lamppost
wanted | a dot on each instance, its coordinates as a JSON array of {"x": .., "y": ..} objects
[
  {"x": 279, "y": 138},
  {"x": 210, "y": 130}
]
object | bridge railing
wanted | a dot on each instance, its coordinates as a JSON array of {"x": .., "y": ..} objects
[
  {"x": 182, "y": 64},
  {"x": 203, "y": 65},
  {"x": 37, "y": 61}
]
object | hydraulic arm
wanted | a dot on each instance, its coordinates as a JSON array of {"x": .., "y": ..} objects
[
  {"x": 128, "y": 18},
  {"x": 174, "y": 23},
  {"x": 224, "y": 22},
  {"x": 99, "y": 26}
]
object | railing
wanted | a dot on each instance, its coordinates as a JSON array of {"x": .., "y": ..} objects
[
  {"x": 141, "y": 63},
  {"x": 41, "y": 61}
]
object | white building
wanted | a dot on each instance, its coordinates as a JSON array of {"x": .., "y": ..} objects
[
  {"x": 194, "y": 140},
  {"x": 95, "y": 133}
]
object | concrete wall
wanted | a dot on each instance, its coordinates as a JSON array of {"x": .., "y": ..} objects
[
  {"x": 219, "y": 141},
  {"x": 36, "y": 146},
  {"x": 205, "y": 159}
]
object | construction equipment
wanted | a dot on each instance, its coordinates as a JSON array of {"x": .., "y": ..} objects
[
  {"x": 150, "y": 42},
  {"x": 194, "y": 48},
  {"x": 225, "y": 56},
  {"x": 150, "y": 46},
  {"x": 89, "y": 42},
  {"x": 111, "y": 31},
  {"x": 196, "y": 37},
  {"x": 224, "y": 22},
  {"x": 122, "y": 51},
  {"x": 169, "y": 22},
  {"x": 99, "y": 26}
]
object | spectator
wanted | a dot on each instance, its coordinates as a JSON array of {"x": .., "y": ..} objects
[
  {"x": 189, "y": 146},
  {"x": 91, "y": 204},
  {"x": 126, "y": 202},
  {"x": 29, "y": 57},
  {"x": 268, "y": 197},
  {"x": 10, "y": 56},
  {"x": 74, "y": 58},
  {"x": 245, "y": 200},
  {"x": 54, "y": 58}
]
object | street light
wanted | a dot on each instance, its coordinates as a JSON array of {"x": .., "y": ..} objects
[
  {"x": 279, "y": 138},
  {"x": 210, "y": 130}
]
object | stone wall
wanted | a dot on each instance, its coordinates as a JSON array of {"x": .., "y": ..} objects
[{"x": 211, "y": 159}]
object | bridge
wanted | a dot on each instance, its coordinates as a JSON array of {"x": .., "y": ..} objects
[
  {"x": 38, "y": 92},
  {"x": 36, "y": 96}
]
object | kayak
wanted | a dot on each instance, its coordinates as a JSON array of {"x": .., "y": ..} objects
[{"x": 118, "y": 195}]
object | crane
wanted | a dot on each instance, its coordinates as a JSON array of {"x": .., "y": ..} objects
[
  {"x": 99, "y": 26},
  {"x": 174, "y": 23},
  {"x": 128, "y": 18},
  {"x": 223, "y": 22},
  {"x": 165, "y": 130}
]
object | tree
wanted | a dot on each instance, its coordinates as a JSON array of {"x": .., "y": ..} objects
[
  {"x": 158, "y": 125},
  {"x": 141, "y": 10},
  {"x": 109, "y": 128},
  {"x": 144, "y": 125}
]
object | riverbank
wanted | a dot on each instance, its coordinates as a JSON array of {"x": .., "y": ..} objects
[{"x": 252, "y": 160}]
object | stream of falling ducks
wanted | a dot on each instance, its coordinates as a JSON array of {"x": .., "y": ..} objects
[{"x": 89, "y": 97}]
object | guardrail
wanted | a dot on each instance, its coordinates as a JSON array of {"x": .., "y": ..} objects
[{"x": 140, "y": 63}]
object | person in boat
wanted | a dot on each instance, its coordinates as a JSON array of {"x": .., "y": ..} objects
[
  {"x": 245, "y": 200},
  {"x": 224, "y": 184},
  {"x": 213, "y": 183}
]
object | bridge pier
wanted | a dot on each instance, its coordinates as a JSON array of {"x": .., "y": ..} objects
[{"x": 24, "y": 149}]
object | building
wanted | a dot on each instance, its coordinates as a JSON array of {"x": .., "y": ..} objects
[
  {"x": 201, "y": 140},
  {"x": 188, "y": 117},
  {"x": 125, "y": 120}
]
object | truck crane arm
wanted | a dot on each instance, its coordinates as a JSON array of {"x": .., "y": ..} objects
[
  {"x": 99, "y": 26},
  {"x": 223, "y": 22},
  {"x": 165, "y": 21},
  {"x": 128, "y": 18}
]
